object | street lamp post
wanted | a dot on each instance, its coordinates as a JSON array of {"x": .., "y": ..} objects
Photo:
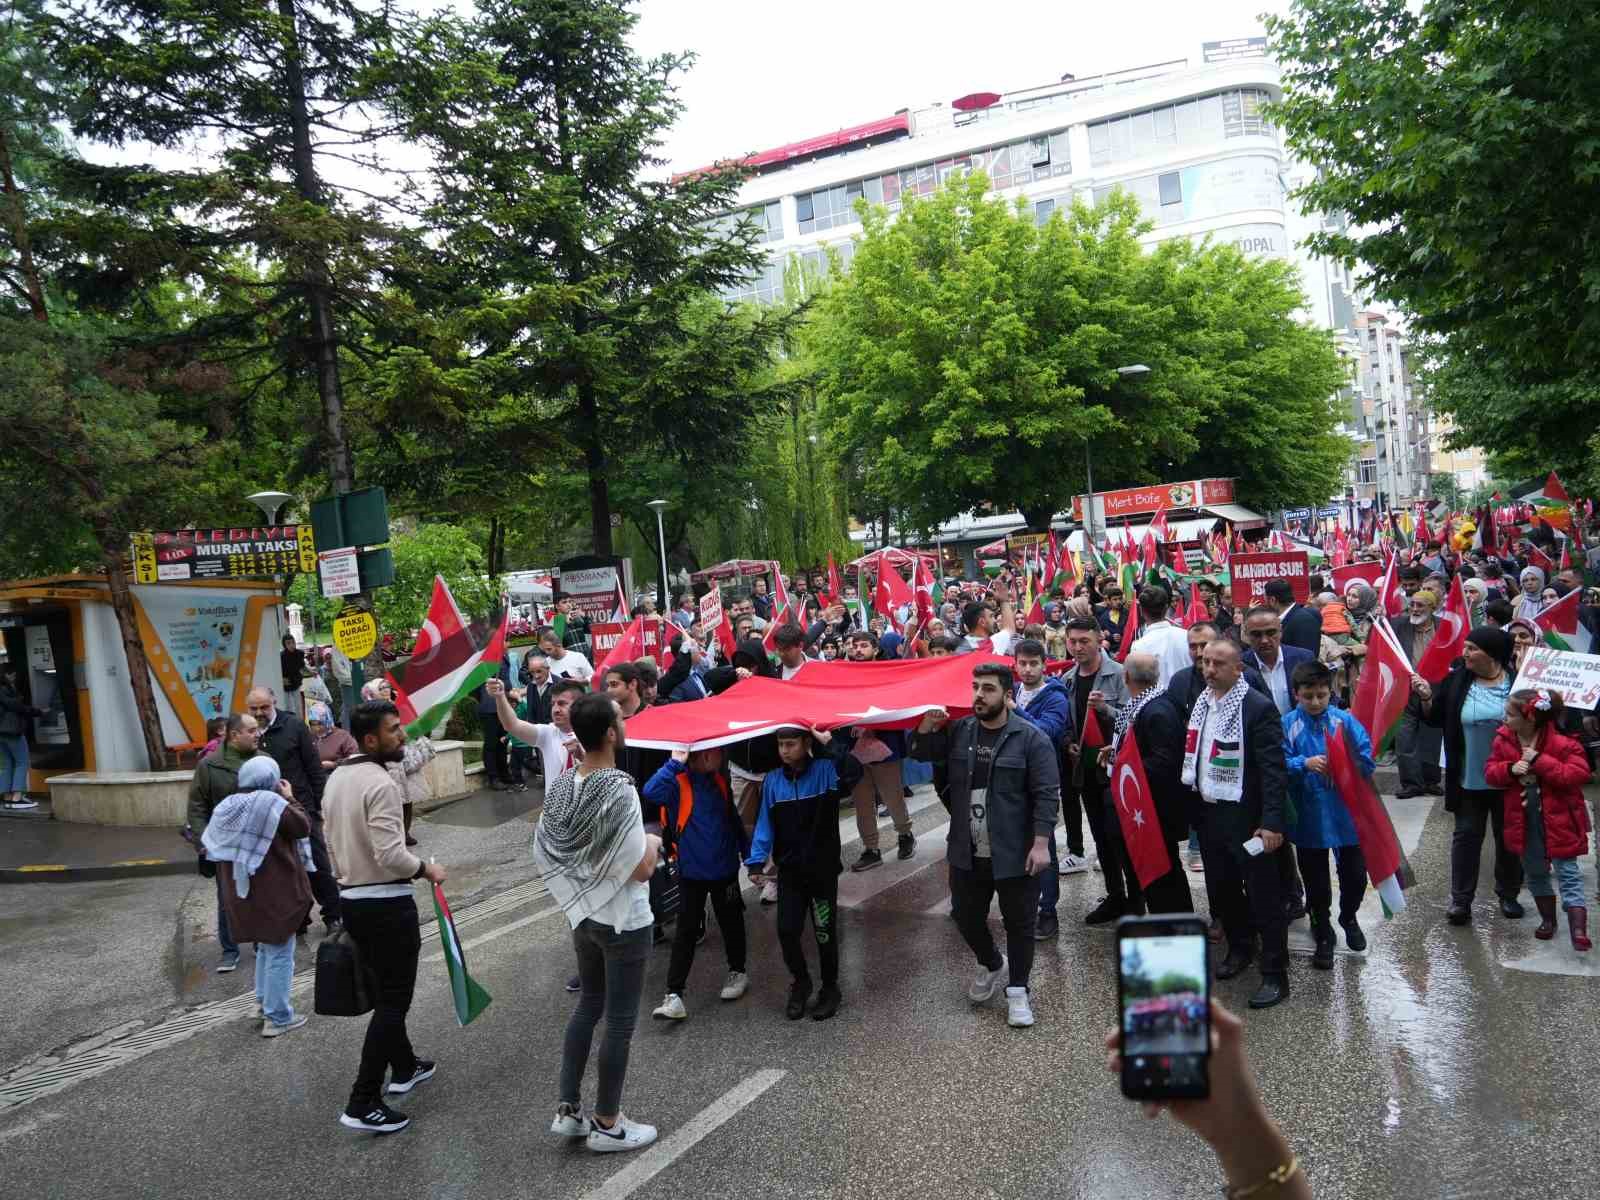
[
  {"x": 658, "y": 507},
  {"x": 1132, "y": 371}
]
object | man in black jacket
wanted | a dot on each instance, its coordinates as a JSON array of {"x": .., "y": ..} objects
[
  {"x": 1185, "y": 687},
  {"x": 1005, "y": 788},
  {"x": 1158, "y": 728},
  {"x": 1302, "y": 626},
  {"x": 1233, "y": 759},
  {"x": 286, "y": 737}
]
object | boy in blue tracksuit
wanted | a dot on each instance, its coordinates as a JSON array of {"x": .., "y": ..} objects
[
  {"x": 699, "y": 819},
  {"x": 798, "y": 828},
  {"x": 1042, "y": 701},
  {"x": 1321, "y": 821}
]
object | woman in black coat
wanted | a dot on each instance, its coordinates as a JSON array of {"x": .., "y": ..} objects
[{"x": 1469, "y": 706}]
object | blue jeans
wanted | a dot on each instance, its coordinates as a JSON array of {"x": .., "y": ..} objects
[
  {"x": 13, "y": 763},
  {"x": 274, "y": 974},
  {"x": 1536, "y": 867},
  {"x": 224, "y": 936}
]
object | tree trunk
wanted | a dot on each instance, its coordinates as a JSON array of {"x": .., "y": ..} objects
[
  {"x": 144, "y": 695},
  {"x": 314, "y": 274},
  {"x": 1038, "y": 516},
  {"x": 594, "y": 460},
  {"x": 19, "y": 234}
]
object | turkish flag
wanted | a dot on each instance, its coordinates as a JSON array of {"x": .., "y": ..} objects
[
  {"x": 891, "y": 593},
  {"x": 835, "y": 591},
  {"x": 826, "y": 695},
  {"x": 1450, "y": 639},
  {"x": 1136, "y": 810},
  {"x": 1374, "y": 830},
  {"x": 443, "y": 622},
  {"x": 1197, "y": 609},
  {"x": 1390, "y": 594},
  {"x": 1130, "y": 628},
  {"x": 1385, "y": 683}
]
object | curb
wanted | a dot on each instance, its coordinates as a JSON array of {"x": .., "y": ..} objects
[{"x": 64, "y": 873}]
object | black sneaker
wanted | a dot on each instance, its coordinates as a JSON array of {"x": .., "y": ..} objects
[
  {"x": 379, "y": 1118},
  {"x": 868, "y": 860},
  {"x": 424, "y": 1070},
  {"x": 574, "y": 984},
  {"x": 1353, "y": 937},
  {"x": 826, "y": 1003},
  {"x": 1107, "y": 911},
  {"x": 799, "y": 993},
  {"x": 908, "y": 845}
]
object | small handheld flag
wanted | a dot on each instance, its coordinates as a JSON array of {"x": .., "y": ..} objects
[{"x": 470, "y": 998}]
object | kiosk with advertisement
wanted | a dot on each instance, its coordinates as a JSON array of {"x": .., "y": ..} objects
[{"x": 208, "y": 643}]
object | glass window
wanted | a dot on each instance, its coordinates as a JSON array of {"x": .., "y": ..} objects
[
  {"x": 1060, "y": 154},
  {"x": 872, "y": 189},
  {"x": 1042, "y": 211},
  {"x": 891, "y": 190},
  {"x": 1211, "y": 116},
  {"x": 1121, "y": 139},
  {"x": 1102, "y": 193},
  {"x": 1170, "y": 187},
  {"x": 1000, "y": 166},
  {"x": 1187, "y": 123},
  {"x": 1142, "y": 132},
  {"x": 803, "y": 209},
  {"x": 1100, "y": 144},
  {"x": 1040, "y": 148},
  {"x": 1165, "y": 122}
]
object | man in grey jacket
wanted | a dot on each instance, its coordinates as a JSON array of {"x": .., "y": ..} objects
[{"x": 1004, "y": 789}]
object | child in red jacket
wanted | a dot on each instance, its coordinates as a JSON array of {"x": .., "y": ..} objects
[{"x": 1542, "y": 772}]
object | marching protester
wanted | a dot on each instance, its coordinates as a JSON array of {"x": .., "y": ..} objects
[
  {"x": 1041, "y": 700},
  {"x": 259, "y": 839},
  {"x": 1095, "y": 690},
  {"x": 1157, "y": 726},
  {"x": 564, "y": 661},
  {"x": 1469, "y": 706},
  {"x": 1302, "y": 625},
  {"x": 593, "y": 853},
  {"x": 1158, "y": 637},
  {"x": 366, "y": 832},
  {"x": 287, "y": 739},
  {"x": 1541, "y": 772},
  {"x": 1005, "y": 787},
  {"x": 1416, "y": 742},
  {"x": 1233, "y": 759},
  {"x": 1321, "y": 820},
  {"x": 797, "y": 830},
  {"x": 879, "y": 752},
  {"x": 496, "y": 769},
  {"x": 698, "y": 808}
]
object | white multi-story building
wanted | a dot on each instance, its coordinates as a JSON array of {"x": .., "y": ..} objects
[{"x": 1189, "y": 143}]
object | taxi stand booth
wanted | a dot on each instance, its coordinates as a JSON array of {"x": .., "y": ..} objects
[{"x": 208, "y": 643}]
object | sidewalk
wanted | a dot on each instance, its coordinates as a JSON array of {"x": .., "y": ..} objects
[{"x": 35, "y": 849}]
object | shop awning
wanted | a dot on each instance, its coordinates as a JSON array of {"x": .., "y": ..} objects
[{"x": 1237, "y": 515}]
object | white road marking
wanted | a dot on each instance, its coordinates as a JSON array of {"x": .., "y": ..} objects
[{"x": 675, "y": 1145}]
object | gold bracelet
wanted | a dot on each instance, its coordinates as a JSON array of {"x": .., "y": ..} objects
[{"x": 1275, "y": 1178}]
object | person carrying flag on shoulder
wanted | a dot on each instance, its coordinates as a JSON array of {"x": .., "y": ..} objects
[{"x": 1041, "y": 700}]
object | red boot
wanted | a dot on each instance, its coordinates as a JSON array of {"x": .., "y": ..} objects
[
  {"x": 1578, "y": 925},
  {"x": 1547, "y": 918}
]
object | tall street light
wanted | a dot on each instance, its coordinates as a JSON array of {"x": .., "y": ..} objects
[
  {"x": 658, "y": 507},
  {"x": 1132, "y": 371}
]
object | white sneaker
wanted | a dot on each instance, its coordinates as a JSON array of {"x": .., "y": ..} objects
[
  {"x": 735, "y": 985},
  {"x": 769, "y": 892},
  {"x": 270, "y": 1030},
  {"x": 987, "y": 983},
  {"x": 624, "y": 1135},
  {"x": 570, "y": 1122},
  {"x": 22, "y": 805},
  {"x": 1072, "y": 864},
  {"x": 671, "y": 1008},
  {"x": 1018, "y": 1014}
]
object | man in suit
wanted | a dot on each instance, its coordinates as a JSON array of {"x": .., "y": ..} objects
[
  {"x": 1233, "y": 759},
  {"x": 1155, "y": 723},
  {"x": 1263, "y": 634},
  {"x": 1302, "y": 626}
]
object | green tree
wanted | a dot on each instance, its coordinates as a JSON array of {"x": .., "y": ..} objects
[
  {"x": 1459, "y": 137},
  {"x": 579, "y": 273},
  {"x": 970, "y": 360}
]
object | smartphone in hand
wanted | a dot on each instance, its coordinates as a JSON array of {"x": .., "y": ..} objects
[{"x": 1164, "y": 1007}]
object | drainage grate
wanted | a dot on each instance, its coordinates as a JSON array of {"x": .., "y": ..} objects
[{"x": 31, "y": 1083}]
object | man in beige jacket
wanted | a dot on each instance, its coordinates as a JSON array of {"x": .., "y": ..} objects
[{"x": 363, "y": 806}]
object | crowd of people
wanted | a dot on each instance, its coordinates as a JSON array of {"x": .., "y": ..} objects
[{"x": 1232, "y": 715}]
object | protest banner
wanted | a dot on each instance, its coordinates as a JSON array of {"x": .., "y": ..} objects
[
  {"x": 1250, "y": 573},
  {"x": 1574, "y": 677}
]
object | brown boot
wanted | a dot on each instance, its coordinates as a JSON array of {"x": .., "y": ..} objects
[
  {"x": 1547, "y": 918},
  {"x": 1578, "y": 926}
]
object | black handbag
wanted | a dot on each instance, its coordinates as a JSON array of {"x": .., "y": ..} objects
[
  {"x": 344, "y": 986},
  {"x": 666, "y": 898}
]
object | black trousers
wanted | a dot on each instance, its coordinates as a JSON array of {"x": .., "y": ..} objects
[
  {"x": 801, "y": 895},
  {"x": 1245, "y": 890},
  {"x": 386, "y": 933},
  {"x": 1170, "y": 893},
  {"x": 521, "y": 763},
  {"x": 324, "y": 884},
  {"x": 728, "y": 903},
  {"x": 1352, "y": 868},
  {"x": 494, "y": 746},
  {"x": 970, "y": 895},
  {"x": 1122, "y": 884},
  {"x": 1072, "y": 818},
  {"x": 1476, "y": 812}
]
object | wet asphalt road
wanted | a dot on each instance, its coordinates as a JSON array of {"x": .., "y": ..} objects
[{"x": 1425, "y": 1068}]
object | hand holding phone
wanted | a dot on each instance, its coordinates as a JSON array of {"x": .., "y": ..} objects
[{"x": 1164, "y": 1002}]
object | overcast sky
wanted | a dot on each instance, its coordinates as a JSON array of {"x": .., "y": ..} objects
[{"x": 768, "y": 74}]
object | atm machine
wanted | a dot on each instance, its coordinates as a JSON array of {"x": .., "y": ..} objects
[{"x": 39, "y": 642}]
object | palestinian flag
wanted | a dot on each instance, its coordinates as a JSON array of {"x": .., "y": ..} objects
[
  {"x": 439, "y": 674},
  {"x": 1560, "y": 625},
  {"x": 470, "y": 998}
]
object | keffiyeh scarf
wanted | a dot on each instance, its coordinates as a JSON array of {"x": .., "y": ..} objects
[
  {"x": 1128, "y": 714},
  {"x": 588, "y": 830},
  {"x": 1221, "y": 776},
  {"x": 241, "y": 831}
]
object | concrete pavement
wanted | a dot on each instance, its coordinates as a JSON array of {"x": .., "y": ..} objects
[{"x": 1425, "y": 1067}]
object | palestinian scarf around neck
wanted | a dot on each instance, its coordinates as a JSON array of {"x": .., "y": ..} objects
[{"x": 1221, "y": 776}]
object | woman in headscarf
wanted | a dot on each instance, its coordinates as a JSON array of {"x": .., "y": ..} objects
[
  {"x": 334, "y": 744},
  {"x": 1469, "y": 706},
  {"x": 258, "y": 837},
  {"x": 1360, "y": 610},
  {"x": 1531, "y": 601},
  {"x": 1477, "y": 594},
  {"x": 1525, "y": 636}
]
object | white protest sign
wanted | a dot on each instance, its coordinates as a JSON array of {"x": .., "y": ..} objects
[
  {"x": 1574, "y": 677},
  {"x": 341, "y": 574}
]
